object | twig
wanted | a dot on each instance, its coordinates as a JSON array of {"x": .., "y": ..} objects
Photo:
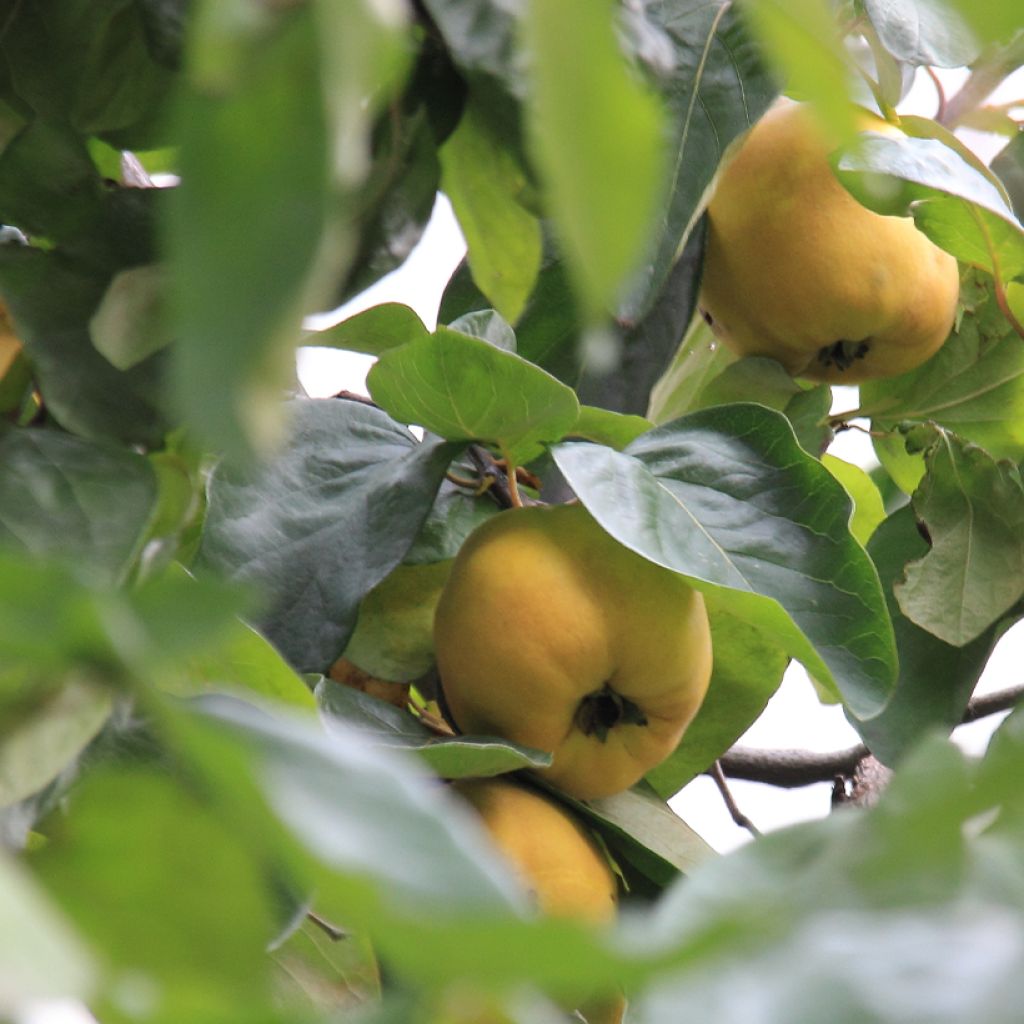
[
  {"x": 992, "y": 703},
  {"x": 730, "y": 803},
  {"x": 489, "y": 470},
  {"x": 332, "y": 931}
]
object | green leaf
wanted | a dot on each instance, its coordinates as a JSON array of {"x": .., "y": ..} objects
[
  {"x": 698, "y": 361},
  {"x": 973, "y": 509},
  {"x": 923, "y": 32},
  {"x": 466, "y": 390},
  {"x": 603, "y": 178},
  {"x": 974, "y": 386},
  {"x": 868, "y": 509},
  {"x": 89, "y": 67},
  {"x": 297, "y": 528},
  {"x": 951, "y": 202},
  {"x": 36, "y": 750},
  {"x": 131, "y": 323},
  {"x": 727, "y": 497},
  {"x": 747, "y": 670},
  {"x": 42, "y": 957},
  {"x": 373, "y": 331},
  {"x": 61, "y": 496},
  {"x": 349, "y": 802},
  {"x": 386, "y": 725},
  {"x": 802, "y": 40},
  {"x": 49, "y": 185},
  {"x": 237, "y": 295},
  {"x": 485, "y": 183},
  {"x": 611, "y": 428},
  {"x": 711, "y": 76},
  {"x": 487, "y": 325},
  {"x": 456, "y": 512},
  {"x": 51, "y": 300},
  {"x": 394, "y": 634},
  {"x": 936, "y": 679},
  {"x": 142, "y": 847}
]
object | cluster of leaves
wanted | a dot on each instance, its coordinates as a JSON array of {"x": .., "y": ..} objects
[{"x": 185, "y": 555}]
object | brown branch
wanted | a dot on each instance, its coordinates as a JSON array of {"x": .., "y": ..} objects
[
  {"x": 735, "y": 813},
  {"x": 790, "y": 769}
]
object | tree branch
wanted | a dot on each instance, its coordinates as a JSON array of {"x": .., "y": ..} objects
[{"x": 790, "y": 769}]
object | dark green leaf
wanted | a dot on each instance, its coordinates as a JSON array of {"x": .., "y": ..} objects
[
  {"x": 51, "y": 301},
  {"x": 300, "y": 528},
  {"x": 456, "y": 512},
  {"x": 973, "y": 510},
  {"x": 727, "y": 496},
  {"x": 951, "y": 201},
  {"x": 714, "y": 85},
  {"x": 49, "y": 185},
  {"x": 487, "y": 325},
  {"x": 923, "y": 32},
  {"x": 1008, "y": 163},
  {"x": 65, "y": 497},
  {"x": 936, "y": 679},
  {"x": 747, "y": 670},
  {"x": 465, "y": 390},
  {"x": 89, "y": 67}
]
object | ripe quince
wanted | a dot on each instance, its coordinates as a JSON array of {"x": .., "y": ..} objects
[
  {"x": 565, "y": 871},
  {"x": 797, "y": 270},
  {"x": 553, "y": 635}
]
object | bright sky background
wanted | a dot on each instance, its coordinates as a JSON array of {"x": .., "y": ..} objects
[{"x": 794, "y": 718}]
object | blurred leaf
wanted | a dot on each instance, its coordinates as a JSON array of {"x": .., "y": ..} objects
[
  {"x": 394, "y": 634},
  {"x": 973, "y": 509},
  {"x": 923, "y": 32},
  {"x": 905, "y": 469},
  {"x": 485, "y": 182},
  {"x": 726, "y": 496},
  {"x": 465, "y": 390},
  {"x": 297, "y": 527},
  {"x": 610, "y": 428},
  {"x": 85, "y": 502},
  {"x": 373, "y": 331},
  {"x": 801, "y": 37},
  {"x": 951, "y": 202},
  {"x": 130, "y": 323},
  {"x": 868, "y": 510},
  {"x": 714, "y": 85},
  {"x": 747, "y": 670},
  {"x": 237, "y": 295},
  {"x": 49, "y": 185},
  {"x": 89, "y": 67},
  {"x": 51, "y": 300},
  {"x": 602, "y": 179},
  {"x": 454, "y": 758},
  {"x": 42, "y": 958},
  {"x": 936, "y": 679},
  {"x": 143, "y": 847},
  {"x": 349, "y": 802},
  {"x": 34, "y": 751}
]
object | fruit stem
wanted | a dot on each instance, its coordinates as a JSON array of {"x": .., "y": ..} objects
[{"x": 513, "y": 484}]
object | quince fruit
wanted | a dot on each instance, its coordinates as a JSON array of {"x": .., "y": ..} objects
[
  {"x": 553, "y": 635},
  {"x": 565, "y": 871},
  {"x": 797, "y": 270}
]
